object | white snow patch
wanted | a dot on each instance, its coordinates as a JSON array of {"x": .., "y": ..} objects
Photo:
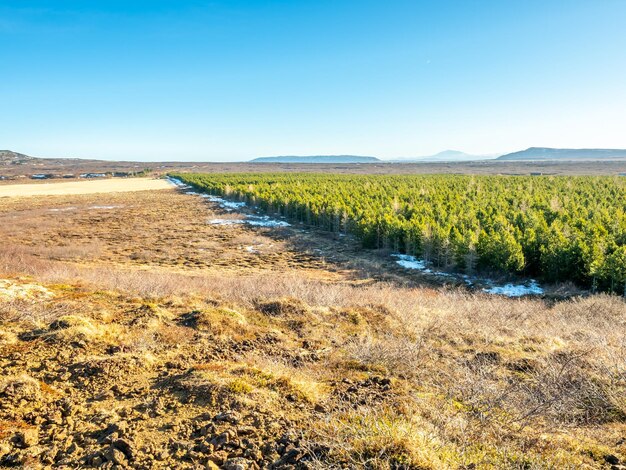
[
  {"x": 265, "y": 221},
  {"x": 510, "y": 290},
  {"x": 63, "y": 209},
  {"x": 226, "y": 222},
  {"x": 410, "y": 262},
  {"x": 516, "y": 290},
  {"x": 253, "y": 220},
  {"x": 224, "y": 204},
  {"x": 232, "y": 205},
  {"x": 104, "y": 207},
  {"x": 178, "y": 183}
]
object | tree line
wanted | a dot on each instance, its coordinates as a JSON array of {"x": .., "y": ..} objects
[{"x": 558, "y": 228}]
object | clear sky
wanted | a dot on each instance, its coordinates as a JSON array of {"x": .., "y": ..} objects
[{"x": 229, "y": 80}]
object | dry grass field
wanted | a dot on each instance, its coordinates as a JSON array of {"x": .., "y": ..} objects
[
  {"x": 82, "y": 187},
  {"x": 486, "y": 167},
  {"x": 134, "y": 334}
]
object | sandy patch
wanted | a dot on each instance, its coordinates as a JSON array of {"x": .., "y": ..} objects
[{"x": 83, "y": 187}]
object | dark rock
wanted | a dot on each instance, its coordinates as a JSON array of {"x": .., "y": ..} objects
[
  {"x": 27, "y": 438},
  {"x": 115, "y": 455},
  {"x": 290, "y": 457},
  {"x": 320, "y": 408},
  {"x": 228, "y": 416},
  {"x": 611, "y": 459},
  {"x": 126, "y": 447}
]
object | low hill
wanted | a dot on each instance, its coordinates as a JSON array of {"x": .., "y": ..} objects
[
  {"x": 448, "y": 156},
  {"x": 8, "y": 157},
  {"x": 317, "y": 159},
  {"x": 544, "y": 153}
]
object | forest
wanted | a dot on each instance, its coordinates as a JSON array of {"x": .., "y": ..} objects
[{"x": 556, "y": 228}]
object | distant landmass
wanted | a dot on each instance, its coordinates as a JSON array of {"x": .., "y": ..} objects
[
  {"x": 544, "y": 153},
  {"x": 447, "y": 156},
  {"x": 317, "y": 159},
  {"x": 8, "y": 157}
]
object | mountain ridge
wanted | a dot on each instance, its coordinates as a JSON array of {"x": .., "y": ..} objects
[
  {"x": 446, "y": 156},
  {"x": 548, "y": 153},
  {"x": 317, "y": 159}
]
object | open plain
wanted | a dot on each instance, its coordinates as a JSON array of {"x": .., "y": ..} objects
[
  {"x": 69, "y": 188},
  {"x": 134, "y": 333}
]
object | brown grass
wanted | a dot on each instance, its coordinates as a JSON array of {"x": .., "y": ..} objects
[{"x": 369, "y": 374}]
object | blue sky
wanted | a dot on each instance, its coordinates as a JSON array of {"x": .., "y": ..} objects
[{"x": 231, "y": 80}]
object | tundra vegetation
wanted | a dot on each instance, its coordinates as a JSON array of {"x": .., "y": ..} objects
[{"x": 133, "y": 334}]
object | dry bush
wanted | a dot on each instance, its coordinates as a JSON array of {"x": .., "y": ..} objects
[
  {"x": 289, "y": 306},
  {"x": 7, "y": 337},
  {"x": 219, "y": 321},
  {"x": 139, "y": 342},
  {"x": 22, "y": 387},
  {"x": 380, "y": 439},
  {"x": 472, "y": 367},
  {"x": 566, "y": 390},
  {"x": 306, "y": 384},
  {"x": 399, "y": 356},
  {"x": 82, "y": 251},
  {"x": 34, "y": 313}
]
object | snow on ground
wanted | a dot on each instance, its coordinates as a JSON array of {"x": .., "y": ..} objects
[
  {"x": 265, "y": 221},
  {"x": 104, "y": 207},
  {"x": 254, "y": 220},
  {"x": 226, "y": 222},
  {"x": 509, "y": 290},
  {"x": 410, "y": 262},
  {"x": 229, "y": 205},
  {"x": 176, "y": 182},
  {"x": 516, "y": 290},
  {"x": 224, "y": 204}
]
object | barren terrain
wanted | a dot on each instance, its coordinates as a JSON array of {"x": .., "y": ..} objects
[
  {"x": 74, "y": 167},
  {"x": 135, "y": 334},
  {"x": 82, "y": 187}
]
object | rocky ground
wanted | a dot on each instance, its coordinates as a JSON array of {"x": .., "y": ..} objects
[{"x": 98, "y": 379}]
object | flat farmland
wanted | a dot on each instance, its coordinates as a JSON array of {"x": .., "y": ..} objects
[{"x": 118, "y": 185}]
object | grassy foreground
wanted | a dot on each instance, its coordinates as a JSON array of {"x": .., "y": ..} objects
[{"x": 373, "y": 377}]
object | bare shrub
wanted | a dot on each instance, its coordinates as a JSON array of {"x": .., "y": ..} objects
[
  {"x": 381, "y": 439},
  {"x": 72, "y": 251},
  {"x": 566, "y": 391},
  {"x": 399, "y": 356}
]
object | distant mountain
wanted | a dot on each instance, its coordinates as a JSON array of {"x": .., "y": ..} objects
[
  {"x": 447, "y": 156},
  {"x": 544, "y": 153},
  {"x": 317, "y": 159},
  {"x": 8, "y": 157}
]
